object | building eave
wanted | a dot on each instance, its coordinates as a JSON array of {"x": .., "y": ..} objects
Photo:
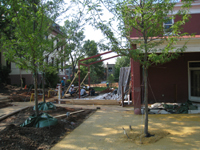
[{"x": 182, "y": 37}]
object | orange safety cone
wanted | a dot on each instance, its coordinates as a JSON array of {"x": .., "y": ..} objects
[{"x": 25, "y": 87}]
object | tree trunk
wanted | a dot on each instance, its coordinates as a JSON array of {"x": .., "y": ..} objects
[
  {"x": 146, "y": 101},
  {"x": 43, "y": 87},
  {"x": 145, "y": 74},
  {"x": 36, "y": 93},
  {"x": 21, "y": 79},
  {"x": 34, "y": 64},
  {"x": 73, "y": 70}
]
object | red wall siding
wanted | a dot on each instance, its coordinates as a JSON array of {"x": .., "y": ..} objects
[
  {"x": 193, "y": 25},
  {"x": 164, "y": 79}
]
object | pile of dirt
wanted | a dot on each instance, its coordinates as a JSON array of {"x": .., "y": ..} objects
[{"x": 15, "y": 137}]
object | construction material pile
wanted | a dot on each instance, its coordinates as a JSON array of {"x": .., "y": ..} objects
[
  {"x": 172, "y": 108},
  {"x": 108, "y": 96}
]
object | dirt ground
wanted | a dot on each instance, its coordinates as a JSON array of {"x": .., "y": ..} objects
[{"x": 15, "y": 137}]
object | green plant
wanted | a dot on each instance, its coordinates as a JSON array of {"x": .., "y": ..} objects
[
  {"x": 111, "y": 79},
  {"x": 68, "y": 82},
  {"x": 99, "y": 88},
  {"x": 52, "y": 79}
]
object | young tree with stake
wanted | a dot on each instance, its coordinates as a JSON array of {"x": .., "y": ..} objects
[{"x": 32, "y": 20}]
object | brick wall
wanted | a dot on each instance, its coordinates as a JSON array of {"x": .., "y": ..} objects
[{"x": 169, "y": 82}]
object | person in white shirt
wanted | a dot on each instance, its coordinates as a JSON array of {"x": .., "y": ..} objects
[
  {"x": 72, "y": 90},
  {"x": 83, "y": 91}
]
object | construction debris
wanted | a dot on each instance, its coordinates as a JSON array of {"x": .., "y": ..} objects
[
  {"x": 173, "y": 108},
  {"x": 106, "y": 96}
]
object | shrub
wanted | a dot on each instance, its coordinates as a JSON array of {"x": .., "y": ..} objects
[{"x": 52, "y": 79}]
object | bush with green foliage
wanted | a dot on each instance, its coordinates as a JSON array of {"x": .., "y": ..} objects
[
  {"x": 99, "y": 89},
  {"x": 52, "y": 79},
  {"x": 68, "y": 82}
]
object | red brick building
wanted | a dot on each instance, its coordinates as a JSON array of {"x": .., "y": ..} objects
[{"x": 179, "y": 79}]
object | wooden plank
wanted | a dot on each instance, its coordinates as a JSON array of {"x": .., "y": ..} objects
[
  {"x": 90, "y": 102},
  {"x": 71, "y": 113}
]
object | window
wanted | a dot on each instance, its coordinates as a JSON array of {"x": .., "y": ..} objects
[
  {"x": 57, "y": 44},
  {"x": 194, "y": 64},
  {"x": 110, "y": 69},
  {"x": 57, "y": 65},
  {"x": 62, "y": 66},
  {"x": 46, "y": 37},
  {"x": 167, "y": 26}
]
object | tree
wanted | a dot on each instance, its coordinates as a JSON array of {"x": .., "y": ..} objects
[
  {"x": 111, "y": 79},
  {"x": 51, "y": 78},
  {"x": 122, "y": 61},
  {"x": 155, "y": 44},
  {"x": 5, "y": 20},
  {"x": 74, "y": 35},
  {"x": 90, "y": 48},
  {"x": 33, "y": 21}
]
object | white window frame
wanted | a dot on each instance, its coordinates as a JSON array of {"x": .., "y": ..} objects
[
  {"x": 164, "y": 24},
  {"x": 192, "y": 98}
]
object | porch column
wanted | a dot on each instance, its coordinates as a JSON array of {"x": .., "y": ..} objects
[{"x": 135, "y": 85}]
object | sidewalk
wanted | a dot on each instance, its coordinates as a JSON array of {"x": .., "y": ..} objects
[
  {"x": 12, "y": 109},
  {"x": 103, "y": 131}
]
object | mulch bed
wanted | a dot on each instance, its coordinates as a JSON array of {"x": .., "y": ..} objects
[{"x": 22, "y": 138}]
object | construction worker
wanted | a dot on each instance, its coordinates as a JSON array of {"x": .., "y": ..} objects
[
  {"x": 83, "y": 92},
  {"x": 63, "y": 86},
  {"x": 107, "y": 84},
  {"x": 72, "y": 90},
  {"x": 91, "y": 92}
]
